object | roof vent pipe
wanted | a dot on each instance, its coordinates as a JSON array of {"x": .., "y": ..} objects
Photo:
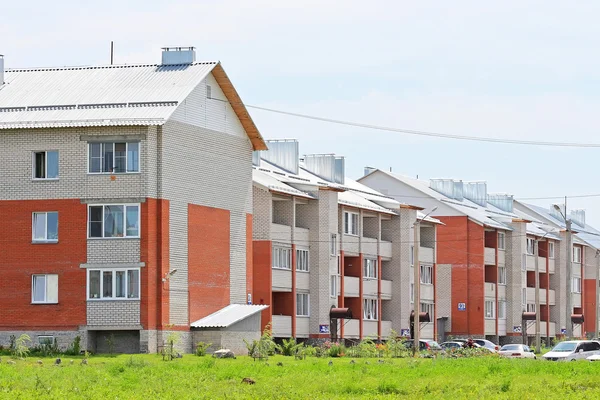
[
  {"x": 1, "y": 69},
  {"x": 178, "y": 55}
]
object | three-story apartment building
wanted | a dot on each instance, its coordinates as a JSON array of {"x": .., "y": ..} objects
[{"x": 126, "y": 194}]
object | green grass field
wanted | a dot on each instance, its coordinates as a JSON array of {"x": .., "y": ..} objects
[{"x": 148, "y": 377}]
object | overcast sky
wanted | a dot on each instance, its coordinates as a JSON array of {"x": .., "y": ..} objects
[{"x": 512, "y": 69}]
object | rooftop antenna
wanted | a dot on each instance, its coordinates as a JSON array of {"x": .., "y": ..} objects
[{"x": 111, "y": 52}]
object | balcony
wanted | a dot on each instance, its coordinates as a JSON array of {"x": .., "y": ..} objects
[
  {"x": 281, "y": 233},
  {"x": 282, "y": 280},
  {"x": 385, "y": 249},
  {"x": 370, "y": 328},
  {"x": 490, "y": 326},
  {"x": 282, "y": 326},
  {"x": 552, "y": 295},
  {"x": 369, "y": 246},
  {"x": 531, "y": 328},
  {"x": 490, "y": 291},
  {"x": 501, "y": 257},
  {"x": 502, "y": 326},
  {"x": 427, "y": 331},
  {"x": 350, "y": 245},
  {"x": 551, "y": 265},
  {"x": 302, "y": 280},
  {"x": 386, "y": 327},
  {"x": 351, "y": 329},
  {"x": 531, "y": 263},
  {"x": 351, "y": 286},
  {"x": 501, "y": 292},
  {"x": 302, "y": 327},
  {"x": 427, "y": 292},
  {"x": 386, "y": 289},
  {"x": 370, "y": 287},
  {"x": 576, "y": 300},
  {"x": 531, "y": 295},
  {"x": 301, "y": 236},
  {"x": 426, "y": 254},
  {"x": 489, "y": 256}
]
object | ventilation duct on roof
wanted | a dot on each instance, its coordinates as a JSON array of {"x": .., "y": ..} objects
[
  {"x": 578, "y": 216},
  {"x": 256, "y": 158},
  {"x": 448, "y": 187},
  {"x": 559, "y": 215},
  {"x": 283, "y": 153},
  {"x": 476, "y": 192},
  {"x": 178, "y": 55},
  {"x": 1, "y": 69},
  {"x": 368, "y": 170},
  {"x": 327, "y": 166},
  {"x": 501, "y": 201}
]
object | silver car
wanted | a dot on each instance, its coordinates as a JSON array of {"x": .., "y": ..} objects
[{"x": 573, "y": 350}]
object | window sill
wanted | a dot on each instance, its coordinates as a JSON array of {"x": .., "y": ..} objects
[
  {"x": 426, "y": 284},
  {"x": 114, "y": 238},
  {"x": 302, "y": 271},
  {"x": 44, "y": 179},
  {"x": 112, "y": 173},
  {"x": 370, "y": 320},
  {"x": 302, "y": 316},
  {"x": 369, "y": 278},
  {"x": 282, "y": 269},
  {"x": 42, "y": 303},
  {"x": 490, "y": 318},
  {"x": 351, "y": 234},
  {"x": 501, "y": 284},
  {"x": 114, "y": 299},
  {"x": 44, "y": 242}
]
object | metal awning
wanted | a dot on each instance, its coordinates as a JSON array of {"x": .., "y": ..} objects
[{"x": 228, "y": 316}]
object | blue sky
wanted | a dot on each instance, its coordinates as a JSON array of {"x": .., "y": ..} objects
[{"x": 527, "y": 70}]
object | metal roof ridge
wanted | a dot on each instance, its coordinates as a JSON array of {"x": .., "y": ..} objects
[{"x": 115, "y": 66}]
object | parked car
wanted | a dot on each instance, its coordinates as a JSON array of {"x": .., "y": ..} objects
[
  {"x": 516, "y": 351},
  {"x": 487, "y": 344},
  {"x": 452, "y": 345},
  {"x": 573, "y": 350},
  {"x": 424, "y": 345}
]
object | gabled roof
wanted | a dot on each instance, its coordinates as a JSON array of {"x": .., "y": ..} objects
[
  {"x": 109, "y": 96},
  {"x": 228, "y": 316}
]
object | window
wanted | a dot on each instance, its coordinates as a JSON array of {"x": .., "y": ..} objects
[
  {"x": 45, "y": 165},
  {"x": 551, "y": 249},
  {"x": 490, "y": 312},
  {"x": 302, "y": 304},
  {"x": 44, "y": 227},
  {"x": 501, "y": 240},
  {"x": 524, "y": 262},
  {"x": 530, "y": 246},
  {"x": 426, "y": 274},
  {"x": 302, "y": 260},
  {"x": 333, "y": 286},
  {"x": 428, "y": 308},
  {"x": 282, "y": 258},
  {"x": 501, "y": 309},
  {"x": 339, "y": 265},
  {"x": 44, "y": 289},
  {"x": 591, "y": 346},
  {"x": 370, "y": 268},
  {"x": 412, "y": 292},
  {"x": 412, "y": 255},
  {"x": 350, "y": 223},
  {"x": 114, "y": 221},
  {"x": 208, "y": 92},
  {"x": 46, "y": 340},
  {"x": 530, "y": 307},
  {"x": 501, "y": 275},
  {"x": 576, "y": 287},
  {"x": 114, "y": 284},
  {"x": 524, "y": 297},
  {"x": 576, "y": 254},
  {"x": 370, "y": 309},
  {"x": 333, "y": 245},
  {"x": 105, "y": 158}
]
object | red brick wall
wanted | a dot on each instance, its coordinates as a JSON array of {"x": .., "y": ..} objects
[
  {"x": 589, "y": 306},
  {"x": 20, "y": 259},
  {"x": 249, "y": 267},
  {"x": 461, "y": 243},
  {"x": 154, "y": 249},
  {"x": 208, "y": 260},
  {"x": 262, "y": 282}
]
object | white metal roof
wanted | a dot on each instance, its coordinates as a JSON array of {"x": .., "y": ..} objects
[
  {"x": 228, "y": 316},
  {"x": 267, "y": 181},
  {"x": 96, "y": 96}
]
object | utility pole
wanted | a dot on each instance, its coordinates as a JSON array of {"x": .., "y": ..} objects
[
  {"x": 417, "y": 289},
  {"x": 569, "y": 266},
  {"x": 537, "y": 296},
  {"x": 597, "y": 333}
]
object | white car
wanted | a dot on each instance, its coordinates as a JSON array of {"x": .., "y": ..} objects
[
  {"x": 573, "y": 350},
  {"x": 516, "y": 351}
]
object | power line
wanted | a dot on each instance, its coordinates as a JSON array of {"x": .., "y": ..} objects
[{"x": 426, "y": 133}]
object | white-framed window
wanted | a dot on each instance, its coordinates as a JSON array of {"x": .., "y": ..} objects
[
  {"x": 524, "y": 297},
  {"x": 576, "y": 287},
  {"x": 490, "y": 312},
  {"x": 412, "y": 255},
  {"x": 113, "y": 284},
  {"x": 370, "y": 309},
  {"x": 44, "y": 227},
  {"x": 576, "y": 254},
  {"x": 551, "y": 249},
  {"x": 45, "y": 165},
  {"x": 412, "y": 292},
  {"x": 339, "y": 265},
  {"x": 530, "y": 307},
  {"x": 208, "y": 92},
  {"x": 333, "y": 244},
  {"x": 501, "y": 240},
  {"x": 370, "y": 268},
  {"x": 302, "y": 304},
  {"x": 427, "y": 274},
  {"x": 501, "y": 275},
  {"x": 44, "y": 289},
  {"x": 333, "y": 286},
  {"x": 428, "y": 308},
  {"x": 114, "y": 157},
  {"x": 282, "y": 257},
  {"x": 502, "y": 309},
  {"x": 530, "y": 246},
  {"x": 114, "y": 221},
  {"x": 350, "y": 223},
  {"x": 302, "y": 260},
  {"x": 45, "y": 340}
]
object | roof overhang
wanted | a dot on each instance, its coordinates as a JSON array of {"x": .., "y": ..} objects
[{"x": 228, "y": 316}]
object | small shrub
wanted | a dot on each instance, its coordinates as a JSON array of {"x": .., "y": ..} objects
[
  {"x": 251, "y": 347},
  {"x": 336, "y": 350},
  {"x": 20, "y": 348},
  {"x": 110, "y": 342},
  {"x": 264, "y": 347},
  {"x": 169, "y": 352},
  {"x": 201, "y": 348},
  {"x": 289, "y": 347},
  {"x": 75, "y": 347}
]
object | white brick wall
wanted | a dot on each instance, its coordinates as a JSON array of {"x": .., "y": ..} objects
[{"x": 113, "y": 313}]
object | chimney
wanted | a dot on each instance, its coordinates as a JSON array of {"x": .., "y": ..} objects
[
  {"x": 178, "y": 55},
  {"x": 283, "y": 153},
  {"x": 327, "y": 166},
  {"x": 448, "y": 187},
  {"x": 578, "y": 216},
  {"x": 368, "y": 170},
  {"x": 501, "y": 201},
  {"x": 1, "y": 69},
  {"x": 476, "y": 192}
]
